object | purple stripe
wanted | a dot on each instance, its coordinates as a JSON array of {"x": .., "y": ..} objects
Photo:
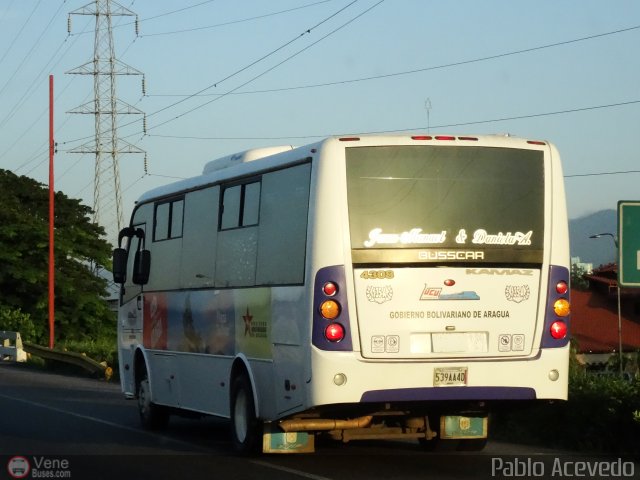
[{"x": 449, "y": 393}]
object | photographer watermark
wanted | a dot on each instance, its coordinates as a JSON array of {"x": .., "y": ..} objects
[
  {"x": 561, "y": 467},
  {"x": 38, "y": 467}
]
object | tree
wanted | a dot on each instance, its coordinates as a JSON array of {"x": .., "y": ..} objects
[
  {"x": 81, "y": 308},
  {"x": 578, "y": 281}
]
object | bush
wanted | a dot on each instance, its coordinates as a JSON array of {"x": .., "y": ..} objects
[
  {"x": 601, "y": 415},
  {"x": 102, "y": 349},
  {"x": 13, "y": 320}
]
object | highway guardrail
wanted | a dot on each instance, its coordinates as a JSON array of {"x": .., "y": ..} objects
[
  {"x": 11, "y": 347},
  {"x": 72, "y": 358}
]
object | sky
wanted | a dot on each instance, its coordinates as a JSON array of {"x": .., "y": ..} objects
[{"x": 223, "y": 76}]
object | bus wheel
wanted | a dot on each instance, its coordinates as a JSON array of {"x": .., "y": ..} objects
[
  {"x": 246, "y": 428},
  {"x": 152, "y": 416}
]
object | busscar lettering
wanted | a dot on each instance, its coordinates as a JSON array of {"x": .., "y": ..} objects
[{"x": 450, "y": 255}]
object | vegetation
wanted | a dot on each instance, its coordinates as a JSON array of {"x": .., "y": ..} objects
[
  {"x": 81, "y": 309},
  {"x": 602, "y": 415},
  {"x": 577, "y": 278}
]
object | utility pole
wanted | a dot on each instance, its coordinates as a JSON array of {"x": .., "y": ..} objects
[
  {"x": 105, "y": 106},
  {"x": 52, "y": 270}
]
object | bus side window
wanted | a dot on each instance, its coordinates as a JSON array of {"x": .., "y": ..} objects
[
  {"x": 283, "y": 226},
  {"x": 240, "y": 206}
]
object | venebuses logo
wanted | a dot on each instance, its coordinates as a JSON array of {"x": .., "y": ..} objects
[
  {"x": 18, "y": 467},
  {"x": 39, "y": 467}
]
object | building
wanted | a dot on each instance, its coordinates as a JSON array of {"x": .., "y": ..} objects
[{"x": 594, "y": 314}]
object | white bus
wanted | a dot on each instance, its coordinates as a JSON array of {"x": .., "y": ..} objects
[{"x": 364, "y": 287}]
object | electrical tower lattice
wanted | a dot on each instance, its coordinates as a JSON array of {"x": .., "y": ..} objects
[{"x": 106, "y": 107}]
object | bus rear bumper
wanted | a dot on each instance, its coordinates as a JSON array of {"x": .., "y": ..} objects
[{"x": 344, "y": 377}]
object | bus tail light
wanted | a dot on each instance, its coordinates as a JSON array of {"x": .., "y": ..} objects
[
  {"x": 330, "y": 309},
  {"x": 334, "y": 332},
  {"x": 562, "y": 287},
  {"x": 331, "y": 326},
  {"x": 329, "y": 289},
  {"x": 558, "y": 330},
  {"x": 561, "y": 307},
  {"x": 421, "y": 137},
  {"x": 558, "y": 309}
]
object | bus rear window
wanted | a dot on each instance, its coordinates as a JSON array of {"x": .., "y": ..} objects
[{"x": 445, "y": 197}]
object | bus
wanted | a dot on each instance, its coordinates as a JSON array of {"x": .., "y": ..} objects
[{"x": 387, "y": 286}]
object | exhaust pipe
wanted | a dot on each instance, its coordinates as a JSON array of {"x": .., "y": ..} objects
[{"x": 324, "y": 424}]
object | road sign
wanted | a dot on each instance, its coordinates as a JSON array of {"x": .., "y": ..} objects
[{"x": 629, "y": 243}]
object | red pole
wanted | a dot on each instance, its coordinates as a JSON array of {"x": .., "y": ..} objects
[{"x": 51, "y": 217}]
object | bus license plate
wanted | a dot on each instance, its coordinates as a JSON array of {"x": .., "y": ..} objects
[{"x": 446, "y": 377}]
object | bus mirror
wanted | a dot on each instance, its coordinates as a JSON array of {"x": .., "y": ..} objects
[
  {"x": 141, "y": 267},
  {"x": 119, "y": 265}
]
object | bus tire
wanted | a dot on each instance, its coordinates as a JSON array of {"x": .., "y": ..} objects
[
  {"x": 246, "y": 428},
  {"x": 152, "y": 416}
]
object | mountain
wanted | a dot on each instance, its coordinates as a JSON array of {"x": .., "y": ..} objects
[{"x": 598, "y": 251}]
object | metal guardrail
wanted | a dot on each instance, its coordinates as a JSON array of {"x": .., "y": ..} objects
[
  {"x": 11, "y": 347},
  {"x": 77, "y": 359}
]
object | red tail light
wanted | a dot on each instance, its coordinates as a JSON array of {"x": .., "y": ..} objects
[
  {"x": 558, "y": 330},
  {"x": 334, "y": 332},
  {"x": 422, "y": 137},
  {"x": 329, "y": 289},
  {"x": 562, "y": 287}
]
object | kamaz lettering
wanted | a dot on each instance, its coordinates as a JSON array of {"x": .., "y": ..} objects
[
  {"x": 498, "y": 271},
  {"x": 450, "y": 255}
]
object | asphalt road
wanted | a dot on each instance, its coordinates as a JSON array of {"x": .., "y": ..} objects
[{"x": 76, "y": 427}]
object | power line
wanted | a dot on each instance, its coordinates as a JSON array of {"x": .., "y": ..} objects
[
  {"x": 15, "y": 38},
  {"x": 600, "y": 174},
  {"x": 407, "y": 72},
  {"x": 177, "y": 11},
  {"x": 215, "y": 84},
  {"x": 264, "y": 57},
  {"x": 475, "y": 122},
  {"x": 234, "y": 22},
  {"x": 26, "y": 57},
  {"x": 426, "y": 69},
  {"x": 273, "y": 67}
]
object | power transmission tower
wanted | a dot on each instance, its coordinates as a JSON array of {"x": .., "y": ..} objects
[{"x": 106, "y": 107}]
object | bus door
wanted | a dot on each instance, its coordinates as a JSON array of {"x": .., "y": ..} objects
[{"x": 130, "y": 319}]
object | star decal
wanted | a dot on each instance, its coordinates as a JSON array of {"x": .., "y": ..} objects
[{"x": 248, "y": 318}]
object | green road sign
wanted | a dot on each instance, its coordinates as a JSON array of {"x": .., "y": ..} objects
[{"x": 629, "y": 243}]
